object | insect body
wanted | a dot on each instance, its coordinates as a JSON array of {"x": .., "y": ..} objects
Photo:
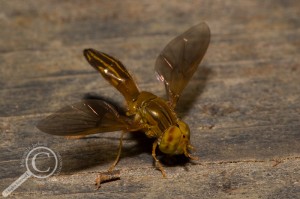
[{"x": 145, "y": 111}]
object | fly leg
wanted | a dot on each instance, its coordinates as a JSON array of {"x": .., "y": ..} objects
[
  {"x": 110, "y": 174},
  {"x": 157, "y": 163},
  {"x": 187, "y": 154},
  {"x": 111, "y": 168}
]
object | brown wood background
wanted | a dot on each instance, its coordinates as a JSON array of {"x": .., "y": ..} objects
[{"x": 243, "y": 105}]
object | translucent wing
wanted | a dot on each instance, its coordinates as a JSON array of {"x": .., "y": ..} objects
[
  {"x": 83, "y": 118},
  {"x": 179, "y": 60}
]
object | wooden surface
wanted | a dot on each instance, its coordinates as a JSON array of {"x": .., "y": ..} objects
[{"x": 243, "y": 104}]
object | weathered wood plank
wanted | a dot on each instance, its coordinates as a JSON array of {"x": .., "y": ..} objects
[{"x": 242, "y": 105}]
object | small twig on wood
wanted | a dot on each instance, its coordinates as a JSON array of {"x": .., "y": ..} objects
[{"x": 107, "y": 177}]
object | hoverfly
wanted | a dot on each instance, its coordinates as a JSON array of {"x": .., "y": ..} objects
[{"x": 145, "y": 111}]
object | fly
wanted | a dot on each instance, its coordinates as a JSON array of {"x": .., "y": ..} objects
[{"x": 145, "y": 112}]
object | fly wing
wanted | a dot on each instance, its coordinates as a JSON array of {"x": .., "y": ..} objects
[
  {"x": 83, "y": 118},
  {"x": 179, "y": 60},
  {"x": 114, "y": 72}
]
